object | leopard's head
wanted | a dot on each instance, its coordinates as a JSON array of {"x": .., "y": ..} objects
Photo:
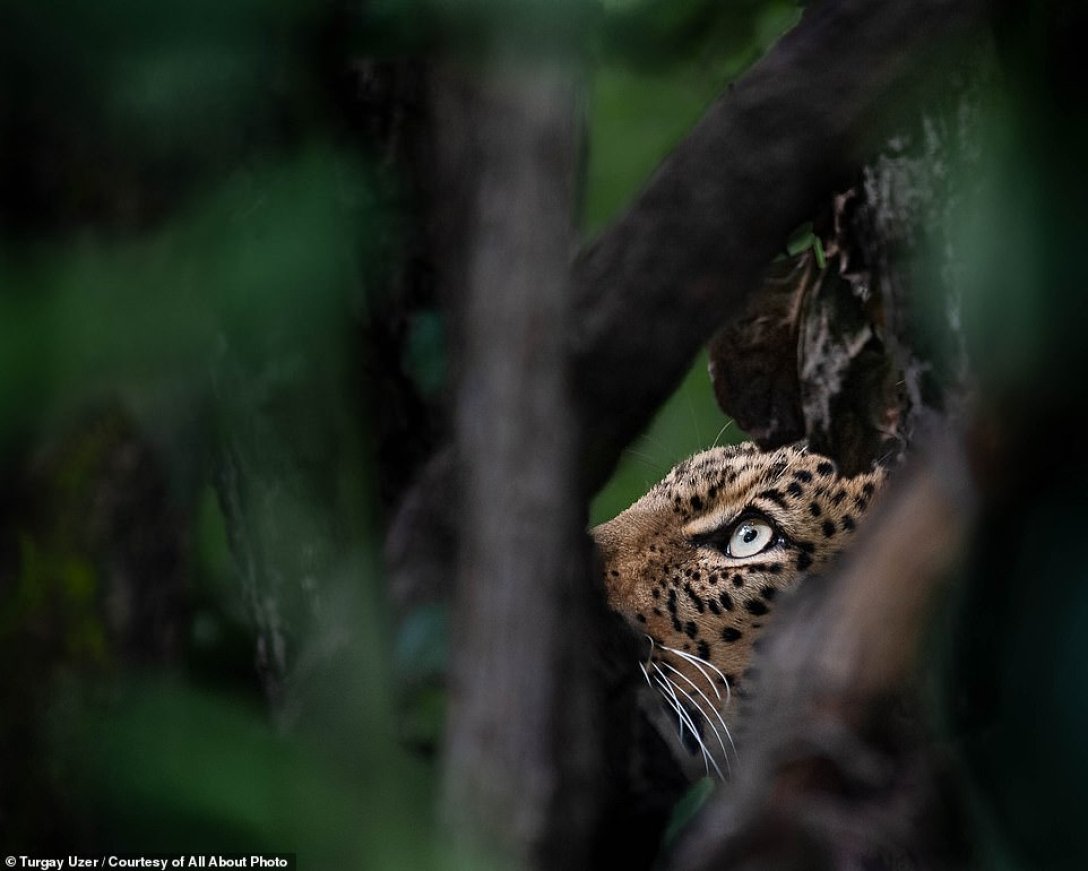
[{"x": 696, "y": 565}]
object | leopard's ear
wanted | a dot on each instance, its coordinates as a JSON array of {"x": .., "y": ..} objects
[
  {"x": 753, "y": 359},
  {"x": 805, "y": 356},
  {"x": 869, "y": 484}
]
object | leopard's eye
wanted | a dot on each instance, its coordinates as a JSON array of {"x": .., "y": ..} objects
[{"x": 750, "y": 537}]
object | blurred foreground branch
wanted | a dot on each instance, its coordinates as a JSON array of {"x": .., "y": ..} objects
[{"x": 519, "y": 771}]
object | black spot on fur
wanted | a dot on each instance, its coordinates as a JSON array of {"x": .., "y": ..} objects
[
  {"x": 773, "y": 568},
  {"x": 738, "y": 581},
  {"x": 690, "y": 629},
  {"x": 847, "y": 523},
  {"x": 731, "y": 634},
  {"x": 640, "y": 617},
  {"x": 828, "y": 529},
  {"x": 696, "y": 503},
  {"x": 795, "y": 489},
  {"x": 814, "y": 509},
  {"x": 803, "y": 476},
  {"x": 838, "y": 497},
  {"x": 704, "y": 650},
  {"x": 774, "y": 496},
  {"x": 714, "y": 607},
  {"x": 755, "y": 606},
  {"x": 803, "y": 561},
  {"x": 699, "y": 604},
  {"x": 768, "y": 593},
  {"x": 825, "y": 468},
  {"x": 726, "y": 600}
]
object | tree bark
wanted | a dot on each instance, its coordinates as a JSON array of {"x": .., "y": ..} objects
[{"x": 519, "y": 771}]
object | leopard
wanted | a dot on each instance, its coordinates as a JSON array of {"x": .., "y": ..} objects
[{"x": 698, "y": 566}]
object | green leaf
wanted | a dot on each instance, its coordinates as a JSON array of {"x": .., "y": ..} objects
[{"x": 686, "y": 809}]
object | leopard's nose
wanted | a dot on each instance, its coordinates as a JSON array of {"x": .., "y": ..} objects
[
  {"x": 621, "y": 545},
  {"x": 607, "y": 545}
]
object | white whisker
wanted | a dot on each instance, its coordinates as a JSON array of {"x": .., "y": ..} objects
[
  {"x": 644, "y": 458},
  {"x": 713, "y": 707},
  {"x": 673, "y": 702},
  {"x": 650, "y": 655},
  {"x": 670, "y": 697},
  {"x": 699, "y": 662},
  {"x": 646, "y": 675},
  {"x": 678, "y": 706},
  {"x": 721, "y": 432},
  {"x": 648, "y": 440}
]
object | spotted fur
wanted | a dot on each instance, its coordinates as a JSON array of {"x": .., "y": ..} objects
[{"x": 668, "y": 569}]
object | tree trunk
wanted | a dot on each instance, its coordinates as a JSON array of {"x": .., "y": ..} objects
[{"x": 519, "y": 773}]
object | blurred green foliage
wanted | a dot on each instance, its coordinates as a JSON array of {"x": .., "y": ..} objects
[
  {"x": 171, "y": 767},
  {"x": 686, "y": 809},
  {"x": 267, "y": 252},
  {"x": 1016, "y": 675}
]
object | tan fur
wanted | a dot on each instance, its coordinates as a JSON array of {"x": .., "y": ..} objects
[{"x": 664, "y": 559}]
